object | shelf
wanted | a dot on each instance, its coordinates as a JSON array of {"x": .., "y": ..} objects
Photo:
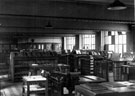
[
  {"x": 20, "y": 66},
  {"x": 34, "y": 88},
  {"x": 21, "y": 73},
  {"x": 35, "y": 58}
]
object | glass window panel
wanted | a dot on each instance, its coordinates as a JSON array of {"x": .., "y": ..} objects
[
  {"x": 113, "y": 39},
  {"x": 106, "y": 40},
  {"x": 93, "y": 40},
  {"x": 113, "y": 33},
  {"x": 70, "y": 42},
  {"x": 109, "y": 39},
  {"x": 88, "y": 40},
  {"x": 90, "y": 46},
  {"x": 124, "y": 39},
  {"x": 123, "y": 32},
  {"x": 87, "y": 46},
  {"x": 120, "y": 39},
  {"x": 93, "y": 47},
  {"x": 39, "y": 47},
  {"x": 90, "y": 43},
  {"x": 86, "y": 35},
  {"x": 116, "y": 48},
  {"x": 106, "y": 33},
  {"x": 116, "y": 33},
  {"x": 124, "y": 48},
  {"x": 71, "y": 47},
  {"x": 42, "y": 46},
  {"x": 93, "y": 36},
  {"x": 111, "y": 47},
  {"x": 120, "y": 48},
  {"x": 116, "y": 40}
]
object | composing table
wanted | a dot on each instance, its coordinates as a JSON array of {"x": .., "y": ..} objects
[
  {"x": 90, "y": 79},
  {"x": 124, "y": 88},
  {"x": 34, "y": 84}
]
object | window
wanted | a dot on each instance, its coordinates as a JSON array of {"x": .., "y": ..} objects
[
  {"x": 88, "y": 41},
  {"x": 115, "y": 41},
  {"x": 69, "y": 43}
]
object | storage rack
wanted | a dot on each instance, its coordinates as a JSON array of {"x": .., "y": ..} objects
[
  {"x": 102, "y": 68},
  {"x": 87, "y": 66},
  {"x": 20, "y": 65},
  {"x": 117, "y": 70},
  {"x": 73, "y": 60}
]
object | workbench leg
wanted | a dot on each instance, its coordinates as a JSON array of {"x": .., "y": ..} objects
[{"x": 28, "y": 89}]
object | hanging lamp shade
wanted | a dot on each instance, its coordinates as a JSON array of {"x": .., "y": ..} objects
[
  {"x": 49, "y": 25},
  {"x": 117, "y": 5}
]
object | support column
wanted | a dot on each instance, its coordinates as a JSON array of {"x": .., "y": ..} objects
[{"x": 77, "y": 42}]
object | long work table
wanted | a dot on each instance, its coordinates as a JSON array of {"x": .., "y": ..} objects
[{"x": 124, "y": 88}]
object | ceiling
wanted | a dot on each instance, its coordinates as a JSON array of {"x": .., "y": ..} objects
[
  {"x": 128, "y": 2},
  {"x": 29, "y": 16}
]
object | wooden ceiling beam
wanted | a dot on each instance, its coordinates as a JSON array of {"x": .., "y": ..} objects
[{"x": 77, "y": 19}]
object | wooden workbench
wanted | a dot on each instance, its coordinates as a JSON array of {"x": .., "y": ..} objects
[{"x": 105, "y": 89}]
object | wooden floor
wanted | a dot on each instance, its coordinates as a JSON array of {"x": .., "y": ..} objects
[
  {"x": 15, "y": 89},
  {"x": 11, "y": 89}
]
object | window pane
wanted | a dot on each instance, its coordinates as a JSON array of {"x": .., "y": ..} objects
[
  {"x": 88, "y": 40},
  {"x": 111, "y": 47},
  {"x": 117, "y": 48},
  {"x": 106, "y": 33},
  {"x": 124, "y": 39},
  {"x": 116, "y": 40},
  {"x": 86, "y": 35},
  {"x": 116, "y": 33},
  {"x": 93, "y": 36},
  {"x": 125, "y": 48},
  {"x": 113, "y": 33},
  {"x": 120, "y": 39},
  {"x": 39, "y": 47},
  {"x": 42, "y": 46},
  {"x": 120, "y": 48},
  {"x": 93, "y": 47},
  {"x": 70, "y": 42},
  {"x": 123, "y": 32},
  {"x": 106, "y": 40},
  {"x": 93, "y": 40},
  {"x": 109, "y": 39}
]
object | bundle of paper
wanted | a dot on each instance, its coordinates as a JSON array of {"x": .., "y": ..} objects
[
  {"x": 127, "y": 83},
  {"x": 113, "y": 84},
  {"x": 93, "y": 86}
]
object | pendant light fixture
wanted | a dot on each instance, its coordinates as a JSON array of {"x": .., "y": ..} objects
[
  {"x": 116, "y": 5},
  {"x": 49, "y": 25}
]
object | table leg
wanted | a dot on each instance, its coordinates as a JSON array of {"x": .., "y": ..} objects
[
  {"x": 23, "y": 90},
  {"x": 28, "y": 89},
  {"x": 46, "y": 88}
]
